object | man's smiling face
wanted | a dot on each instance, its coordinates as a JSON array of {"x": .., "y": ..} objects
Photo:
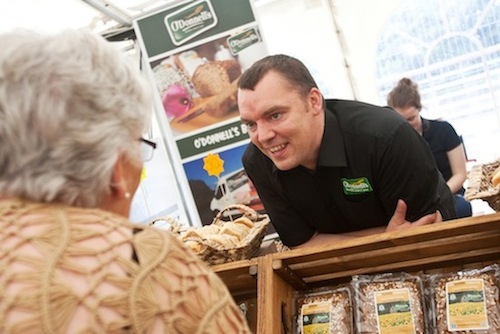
[{"x": 283, "y": 123}]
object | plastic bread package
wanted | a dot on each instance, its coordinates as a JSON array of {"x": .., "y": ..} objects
[
  {"x": 389, "y": 303},
  {"x": 327, "y": 310},
  {"x": 465, "y": 301}
]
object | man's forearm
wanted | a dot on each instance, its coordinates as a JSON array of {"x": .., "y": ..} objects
[{"x": 321, "y": 239}]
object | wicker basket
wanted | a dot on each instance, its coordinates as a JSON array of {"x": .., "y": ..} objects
[
  {"x": 480, "y": 186},
  {"x": 213, "y": 253}
]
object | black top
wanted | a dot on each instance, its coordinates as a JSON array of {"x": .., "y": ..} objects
[
  {"x": 441, "y": 137},
  {"x": 369, "y": 158}
]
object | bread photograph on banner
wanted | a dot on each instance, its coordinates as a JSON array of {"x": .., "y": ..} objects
[{"x": 198, "y": 86}]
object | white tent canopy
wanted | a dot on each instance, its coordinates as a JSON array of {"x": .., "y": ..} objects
[{"x": 54, "y": 15}]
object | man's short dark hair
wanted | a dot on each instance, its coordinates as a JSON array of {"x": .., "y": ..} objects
[{"x": 292, "y": 69}]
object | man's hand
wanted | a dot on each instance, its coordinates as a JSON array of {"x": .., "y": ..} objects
[{"x": 398, "y": 220}]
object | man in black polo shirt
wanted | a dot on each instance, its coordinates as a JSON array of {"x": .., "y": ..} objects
[{"x": 330, "y": 173}]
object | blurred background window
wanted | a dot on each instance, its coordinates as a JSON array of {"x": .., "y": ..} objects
[{"x": 452, "y": 50}]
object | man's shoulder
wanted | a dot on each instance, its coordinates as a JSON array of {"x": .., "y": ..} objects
[
  {"x": 357, "y": 118},
  {"x": 335, "y": 104},
  {"x": 358, "y": 110}
]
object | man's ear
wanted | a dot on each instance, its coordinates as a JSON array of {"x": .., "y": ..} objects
[{"x": 316, "y": 99}]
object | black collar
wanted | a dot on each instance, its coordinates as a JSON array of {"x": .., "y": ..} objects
[{"x": 332, "y": 151}]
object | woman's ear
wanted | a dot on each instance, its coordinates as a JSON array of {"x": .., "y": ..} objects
[
  {"x": 119, "y": 197},
  {"x": 118, "y": 181}
]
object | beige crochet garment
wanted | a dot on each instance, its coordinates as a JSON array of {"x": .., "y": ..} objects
[{"x": 71, "y": 270}]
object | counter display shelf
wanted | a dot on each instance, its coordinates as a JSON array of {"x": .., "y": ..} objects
[
  {"x": 239, "y": 276},
  {"x": 274, "y": 278}
]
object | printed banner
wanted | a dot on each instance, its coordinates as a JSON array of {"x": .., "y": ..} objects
[{"x": 197, "y": 50}]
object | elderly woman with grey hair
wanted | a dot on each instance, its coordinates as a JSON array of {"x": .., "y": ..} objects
[{"x": 72, "y": 112}]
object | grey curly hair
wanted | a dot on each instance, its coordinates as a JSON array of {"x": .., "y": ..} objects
[{"x": 69, "y": 104}]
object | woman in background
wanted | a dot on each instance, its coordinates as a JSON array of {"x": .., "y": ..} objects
[
  {"x": 445, "y": 144},
  {"x": 72, "y": 112}
]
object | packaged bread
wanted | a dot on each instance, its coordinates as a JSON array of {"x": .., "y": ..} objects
[
  {"x": 466, "y": 301},
  {"x": 389, "y": 303},
  {"x": 327, "y": 311}
]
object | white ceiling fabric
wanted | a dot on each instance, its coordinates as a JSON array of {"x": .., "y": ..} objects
[
  {"x": 45, "y": 15},
  {"x": 55, "y": 15}
]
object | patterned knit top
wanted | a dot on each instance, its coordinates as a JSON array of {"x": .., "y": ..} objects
[{"x": 74, "y": 270}]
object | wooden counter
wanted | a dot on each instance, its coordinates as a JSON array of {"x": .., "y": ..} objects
[{"x": 275, "y": 277}]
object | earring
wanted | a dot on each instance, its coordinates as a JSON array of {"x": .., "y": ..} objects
[{"x": 126, "y": 195}]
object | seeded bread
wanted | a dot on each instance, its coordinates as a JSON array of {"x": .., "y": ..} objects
[{"x": 215, "y": 77}]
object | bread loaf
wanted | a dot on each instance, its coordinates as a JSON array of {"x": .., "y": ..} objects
[
  {"x": 238, "y": 230},
  {"x": 224, "y": 103},
  {"x": 215, "y": 77},
  {"x": 244, "y": 221}
]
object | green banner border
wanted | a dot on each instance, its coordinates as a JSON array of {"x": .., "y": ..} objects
[{"x": 230, "y": 14}]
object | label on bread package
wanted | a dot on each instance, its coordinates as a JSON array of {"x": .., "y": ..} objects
[
  {"x": 190, "y": 21},
  {"x": 316, "y": 318},
  {"x": 394, "y": 314},
  {"x": 465, "y": 305}
]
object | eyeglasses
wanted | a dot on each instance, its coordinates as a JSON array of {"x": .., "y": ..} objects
[{"x": 147, "y": 149}]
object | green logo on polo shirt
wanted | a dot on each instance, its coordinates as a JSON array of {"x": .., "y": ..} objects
[{"x": 356, "y": 186}]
